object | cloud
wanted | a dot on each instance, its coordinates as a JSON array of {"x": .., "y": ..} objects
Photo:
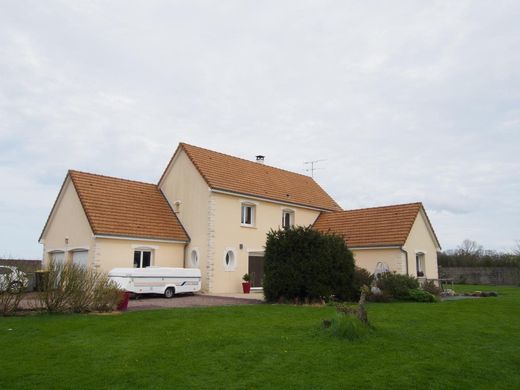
[{"x": 406, "y": 101}]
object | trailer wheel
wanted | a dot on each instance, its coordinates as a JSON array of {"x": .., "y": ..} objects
[{"x": 169, "y": 293}]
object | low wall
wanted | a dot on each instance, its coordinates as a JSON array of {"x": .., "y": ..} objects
[
  {"x": 27, "y": 266},
  {"x": 482, "y": 275}
]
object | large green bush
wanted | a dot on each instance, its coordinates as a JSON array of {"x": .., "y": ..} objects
[
  {"x": 304, "y": 264},
  {"x": 421, "y": 296},
  {"x": 396, "y": 285}
]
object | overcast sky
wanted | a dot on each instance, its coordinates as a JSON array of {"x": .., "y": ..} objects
[{"x": 406, "y": 100}]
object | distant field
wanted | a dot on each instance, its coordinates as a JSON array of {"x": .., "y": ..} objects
[{"x": 465, "y": 344}]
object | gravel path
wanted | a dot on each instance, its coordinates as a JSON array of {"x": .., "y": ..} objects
[{"x": 187, "y": 300}]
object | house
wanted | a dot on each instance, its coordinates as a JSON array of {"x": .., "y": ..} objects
[
  {"x": 399, "y": 236},
  {"x": 212, "y": 211}
]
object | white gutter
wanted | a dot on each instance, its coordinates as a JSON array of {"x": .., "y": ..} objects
[
  {"x": 362, "y": 248},
  {"x": 139, "y": 239},
  {"x": 268, "y": 200}
]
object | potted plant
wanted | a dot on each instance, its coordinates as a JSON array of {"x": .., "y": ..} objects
[{"x": 246, "y": 284}]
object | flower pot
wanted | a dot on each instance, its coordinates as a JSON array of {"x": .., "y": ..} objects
[
  {"x": 123, "y": 304},
  {"x": 246, "y": 287}
]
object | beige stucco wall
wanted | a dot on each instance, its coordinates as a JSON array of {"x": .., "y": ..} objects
[
  {"x": 68, "y": 221},
  {"x": 420, "y": 240},
  {"x": 229, "y": 234},
  {"x": 368, "y": 259},
  {"x": 183, "y": 183},
  {"x": 114, "y": 253}
]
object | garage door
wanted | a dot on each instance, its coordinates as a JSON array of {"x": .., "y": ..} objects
[{"x": 80, "y": 257}]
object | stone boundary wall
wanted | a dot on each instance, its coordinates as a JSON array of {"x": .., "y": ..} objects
[
  {"x": 27, "y": 266},
  {"x": 509, "y": 276}
]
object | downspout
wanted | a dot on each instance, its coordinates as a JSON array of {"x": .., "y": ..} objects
[{"x": 406, "y": 258}]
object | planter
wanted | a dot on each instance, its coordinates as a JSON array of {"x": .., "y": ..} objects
[
  {"x": 123, "y": 304},
  {"x": 246, "y": 287}
]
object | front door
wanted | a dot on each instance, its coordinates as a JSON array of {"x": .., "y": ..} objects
[{"x": 256, "y": 270}]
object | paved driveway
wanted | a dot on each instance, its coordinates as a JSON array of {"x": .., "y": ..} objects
[{"x": 187, "y": 300}]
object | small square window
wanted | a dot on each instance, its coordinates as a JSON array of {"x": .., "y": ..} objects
[{"x": 248, "y": 215}]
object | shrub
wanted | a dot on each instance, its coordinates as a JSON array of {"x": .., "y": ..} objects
[
  {"x": 74, "y": 288},
  {"x": 302, "y": 264},
  {"x": 361, "y": 278},
  {"x": 430, "y": 287},
  {"x": 12, "y": 289},
  {"x": 421, "y": 296},
  {"x": 397, "y": 285},
  {"x": 346, "y": 327}
]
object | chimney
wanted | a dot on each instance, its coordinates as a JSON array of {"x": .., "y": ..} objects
[{"x": 260, "y": 159}]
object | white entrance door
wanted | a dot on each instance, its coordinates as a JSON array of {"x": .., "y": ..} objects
[{"x": 80, "y": 258}]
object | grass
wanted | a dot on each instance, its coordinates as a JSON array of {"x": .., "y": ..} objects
[{"x": 459, "y": 344}]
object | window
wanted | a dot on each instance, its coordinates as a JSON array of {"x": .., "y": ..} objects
[
  {"x": 58, "y": 257},
  {"x": 194, "y": 258},
  {"x": 142, "y": 259},
  {"x": 287, "y": 219},
  {"x": 419, "y": 261},
  {"x": 80, "y": 257},
  {"x": 229, "y": 260},
  {"x": 248, "y": 214}
]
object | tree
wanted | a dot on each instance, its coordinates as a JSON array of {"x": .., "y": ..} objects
[
  {"x": 516, "y": 249},
  {"x": 469, "y": 248},
  {"x": 304, "y": 264}
]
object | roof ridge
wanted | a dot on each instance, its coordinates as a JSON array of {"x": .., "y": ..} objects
[
  {"x": 379, "y": 207},
  {"x": 249, "y": 161},
  {"x": 111, "y": 177}
]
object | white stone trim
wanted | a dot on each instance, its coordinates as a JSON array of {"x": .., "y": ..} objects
[
  {"x": 151, "y": 247},
  {"x": 79, "y": 249},
  {"x": 210, "y": 260}
]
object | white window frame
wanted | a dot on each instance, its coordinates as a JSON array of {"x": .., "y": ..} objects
[
  {"x": 420, "y": 263},
  {"x": 195, "y": 264},
  {"x": 56, "y": 252},
  {"x": 142, "y": 250},
  {"x": 233, "y": 263},
  {"x": 244, "y": 206},
  {"x": 79, "y": 250},
  {"x": 291, "y": 218}
]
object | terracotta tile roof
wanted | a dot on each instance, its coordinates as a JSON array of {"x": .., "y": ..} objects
[
  {"x": 126, "y": 208},
  {"x": 233, "y": 174},
  {"x": 377, "y": 226}
]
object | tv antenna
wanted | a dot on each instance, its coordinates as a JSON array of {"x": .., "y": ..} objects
[{"x": 312, "y": 166}]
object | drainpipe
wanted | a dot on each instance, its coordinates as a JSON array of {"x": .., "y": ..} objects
[{"x": 406, "y": 258}]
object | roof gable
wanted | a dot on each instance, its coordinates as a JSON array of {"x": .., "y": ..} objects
[
  {"x": 127, "y": 208},
  {"x": 372, "y": 227},
  {"x": 232, "y": 174}
]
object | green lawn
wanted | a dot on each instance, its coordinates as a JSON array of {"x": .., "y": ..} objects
[{"x": 463, "y": 344}]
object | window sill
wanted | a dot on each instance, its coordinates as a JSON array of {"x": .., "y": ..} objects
[{"x": 247, "y": 226}]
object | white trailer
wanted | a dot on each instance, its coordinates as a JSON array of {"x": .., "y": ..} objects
[{"x": 157, "y": 280}]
